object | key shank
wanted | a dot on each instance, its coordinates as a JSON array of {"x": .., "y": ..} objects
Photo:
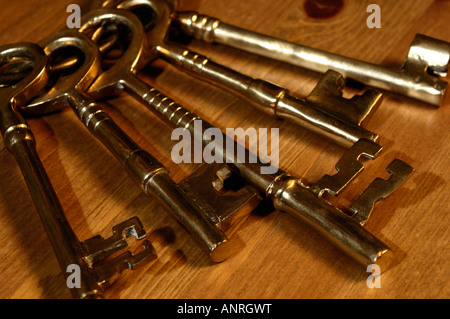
[
  {"x": 153, "y": 178},
  {"x": 414, "y": 82},
  {"x": 267, "y": 97}
]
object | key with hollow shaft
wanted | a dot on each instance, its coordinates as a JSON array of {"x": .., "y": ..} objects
[
  {"x": 96, "y": 273},
  {"x": 324, "y": 111},
  {"x": 153, "y": 178},
  {"x": 287, "y": 193}
]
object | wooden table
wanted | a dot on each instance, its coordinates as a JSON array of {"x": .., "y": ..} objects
[{"x": 275, "y": 256}]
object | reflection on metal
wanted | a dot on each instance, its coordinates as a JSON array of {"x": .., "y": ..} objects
[{"x": 418, "y": 78}]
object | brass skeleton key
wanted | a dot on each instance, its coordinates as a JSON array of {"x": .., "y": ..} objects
[
  {"x": 418, "y": 78},
  {"x": 96, "y": 271},
  {"x": 324, "y": 111},
  {"x": 287, "y": 193},
  {"x": 153, "y": 178}
]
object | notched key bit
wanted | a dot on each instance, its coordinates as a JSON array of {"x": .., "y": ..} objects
[
  {"x": 348, "y": 168},
  {"x": 327, "y": 95},
  {"x": 225, "y": 204},
  {"x": 379, "y": 189},
  {"x": 106, "y": 273},
  {"x": 97, "y": 250}
]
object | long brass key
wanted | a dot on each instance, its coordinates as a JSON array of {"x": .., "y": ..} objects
[
  {"x": 287, "y": 193},
  {"x": 418, "y": 78},
  {"x": 153, "y": 178},
  {"x": 19, "y": 141}
]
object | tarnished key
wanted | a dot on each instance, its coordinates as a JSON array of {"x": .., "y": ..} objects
[
  {"x": 288, "y": 194},
  {"x": 324, "y": 111},
  {"x": 19, "y": 140},
  {"x": 153, "y": 178},
  {"x": 418, "y": 78}
]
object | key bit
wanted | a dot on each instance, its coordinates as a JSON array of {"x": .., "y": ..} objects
[
  {"x": 98, "y": 270},
  {"x": 97, "y": 250},
  {"x": 379, "y": 189},
  {"x": 428, "y": 56},
  {"x": 348, "y": 168},
  {"x": 327, "y": 95},
  {"x": 225, "y": 205},
  {"x": 106, "y": 273}
]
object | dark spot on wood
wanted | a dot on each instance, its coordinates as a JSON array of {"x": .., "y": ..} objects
[
  {"x": 323, "y": 9},
  {"x": 166, "y": 234}
]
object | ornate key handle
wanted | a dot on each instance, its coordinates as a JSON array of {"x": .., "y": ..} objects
[
  {"x": 96, "y": 272},
  {"x": 324, "y": 111},
  {"x": 288, "y": 194}
]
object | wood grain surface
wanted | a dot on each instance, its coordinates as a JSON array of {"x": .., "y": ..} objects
[{"x": 275, "y": 256}]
